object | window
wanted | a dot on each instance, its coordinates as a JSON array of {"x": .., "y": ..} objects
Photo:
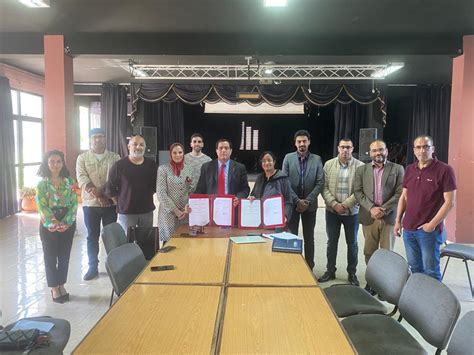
[
  {"x": 89, "y": 117},
  {"x": 28, "y": 132},
  {"x": 248, "y": 138}
]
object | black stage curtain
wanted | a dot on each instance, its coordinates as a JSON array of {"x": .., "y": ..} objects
[
  {"x": 348, "y": 120},
  {"x": 8, "y": 200},
  {"x": 169, "y": 118},
  {"x": 113, "y": 116},
  {"x": 431, "y": 109},
  {"x": 276, "y": 95}
]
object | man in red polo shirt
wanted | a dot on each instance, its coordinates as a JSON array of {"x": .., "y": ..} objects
[{"x": 429, "y": 189}]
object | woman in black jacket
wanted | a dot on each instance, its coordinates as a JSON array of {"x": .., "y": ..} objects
[{"x": 272, "y": 182}]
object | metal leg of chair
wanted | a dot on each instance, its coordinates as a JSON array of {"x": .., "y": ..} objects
[
  {"x": 445, "y": 267},
  {"x": 469, "y": 277},
  {"x": 111, "y": 298}
]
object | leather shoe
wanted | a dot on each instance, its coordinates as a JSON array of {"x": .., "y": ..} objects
[
  {"x": 91, "y": 274},
  {"x": 59, "y": 299},
  {"x": 370, "y": 290},
  {"x": 327, "y": 276},
  {"x": 352, "y": 278}
]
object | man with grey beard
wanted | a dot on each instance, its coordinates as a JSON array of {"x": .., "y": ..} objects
[{"x": 131, "y": 184}]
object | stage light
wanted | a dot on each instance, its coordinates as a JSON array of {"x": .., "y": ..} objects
[
  {"x": 275, "y": 3},
  {"x": 389, "y": 69},
  {"x": 35, "y": 3}
]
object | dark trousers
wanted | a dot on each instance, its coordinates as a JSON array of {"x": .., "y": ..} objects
[
  {"x": 57, "y": 250},
  {"x": 333, "y": 230},
  {"x": 92, "y": 218},
  {"x": 308, "y": 219}
]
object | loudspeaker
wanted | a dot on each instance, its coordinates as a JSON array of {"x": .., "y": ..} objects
[
  {"x": 150, "y": 136},
  {"x": 366, "y": 136},
  {"x": 163, "y": 157}
]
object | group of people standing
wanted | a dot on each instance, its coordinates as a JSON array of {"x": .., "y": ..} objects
[{"x": 354, "y": 192}]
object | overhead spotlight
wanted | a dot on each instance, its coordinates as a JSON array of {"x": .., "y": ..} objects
[
  {"x": 267, "y": 69},
  {"x": 35, "y": 3},
  {"x": 309, "y": 86},
  {"x": 389, "y": 69},
  {"x": 275, "y": 3}
]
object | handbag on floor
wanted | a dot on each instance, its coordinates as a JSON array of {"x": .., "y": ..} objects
[{"x": 18, "y": 339}]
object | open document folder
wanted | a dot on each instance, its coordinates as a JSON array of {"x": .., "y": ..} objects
[{"x": 267, "y": 213}]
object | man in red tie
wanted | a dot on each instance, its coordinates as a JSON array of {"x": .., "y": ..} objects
[{"x": 224, "y": 176}]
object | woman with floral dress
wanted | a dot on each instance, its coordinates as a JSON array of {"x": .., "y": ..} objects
[
  {"x": 57, "y": 205},
  {"x": 173, "y": 186}
]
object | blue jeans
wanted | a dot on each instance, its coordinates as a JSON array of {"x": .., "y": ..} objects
[
  {"x": 333, "y": 231},
  {"x": 92, "y": 218},
  {"x": 422, "y": 251}
]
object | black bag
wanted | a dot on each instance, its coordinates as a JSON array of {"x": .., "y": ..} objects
[
  {"x": 18, "y": 339},
  {"x": 147, "y": 238}
]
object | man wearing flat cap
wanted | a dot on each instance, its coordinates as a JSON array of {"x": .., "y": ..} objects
[{"x": 92, "y": 168}]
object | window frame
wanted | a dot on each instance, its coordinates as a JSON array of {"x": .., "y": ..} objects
[{"x": 19, "y": 118}]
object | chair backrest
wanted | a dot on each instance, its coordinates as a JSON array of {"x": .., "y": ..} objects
[
  {"x": 123, "y": 264},
  {"x": 113, "y": 236},
  {"x": 387, "y": 273},
  {"x": 430, "y": 307},
  {"x": 462, "y": 341}
]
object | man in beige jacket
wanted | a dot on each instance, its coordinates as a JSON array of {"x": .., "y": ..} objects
[
  {"x": 92, "y": 169},
  {"x": 341, "y": 208}
]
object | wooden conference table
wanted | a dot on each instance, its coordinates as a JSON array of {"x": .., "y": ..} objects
[{"x": 221, "y": 298}]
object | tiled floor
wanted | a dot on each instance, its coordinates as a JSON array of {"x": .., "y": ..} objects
[{"x": 23, "y": 290}]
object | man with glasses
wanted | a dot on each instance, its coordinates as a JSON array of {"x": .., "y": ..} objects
[
  {"x": 341, "y": 208},
  {"x": 377, "y": 187},
  {"x": 92, "y": 168},
  {"x": 224, "y": 176},
  {"x": 132, "y": 184},
  {"x": 429, "y": 190}
]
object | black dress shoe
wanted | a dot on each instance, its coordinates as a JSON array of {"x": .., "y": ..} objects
[
  {"x": 327, "y": 276},
  {"x": 91, "y": 274},
  {"x": 59, "y": 299},
  {"x": 352, "y": 278},
  {"x": 370, "y": 290}
]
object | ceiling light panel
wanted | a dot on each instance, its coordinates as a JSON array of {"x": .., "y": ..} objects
[{"x": 275, "y": 3}]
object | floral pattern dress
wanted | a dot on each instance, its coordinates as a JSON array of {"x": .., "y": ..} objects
[{"x": 51, "y": 199}]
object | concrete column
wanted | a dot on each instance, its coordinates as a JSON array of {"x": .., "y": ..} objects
[
  {"x": 460, "y": 221},
  {"x": 61, "y": 129}
]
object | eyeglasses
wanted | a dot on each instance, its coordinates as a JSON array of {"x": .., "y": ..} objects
[
  {"x": 348, "y": 147},
  {"x": 420, "y": 147}
]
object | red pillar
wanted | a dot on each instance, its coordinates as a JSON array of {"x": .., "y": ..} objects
[
  {"x": 60, "y": 127},
  {"x": 460, "y": 221}
]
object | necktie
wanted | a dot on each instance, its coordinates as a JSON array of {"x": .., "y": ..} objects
[{"x": 221, "y": 181}]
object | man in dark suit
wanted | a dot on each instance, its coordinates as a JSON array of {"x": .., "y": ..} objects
[
  {"x": 223, "y": 175},
  {"x": 377, "y": 187},
  {"x": 306, "y": 174}
]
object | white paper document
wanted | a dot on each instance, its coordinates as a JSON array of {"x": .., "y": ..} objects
[
  {"x": 222, "y": 211},
  {"x": 273, "y": 211},
  {"x": 199, "y": 215},
  {"x": 250, "y": 213}
]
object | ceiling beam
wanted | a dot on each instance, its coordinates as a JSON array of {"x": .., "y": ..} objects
[{"x": 222, "y": 44}]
